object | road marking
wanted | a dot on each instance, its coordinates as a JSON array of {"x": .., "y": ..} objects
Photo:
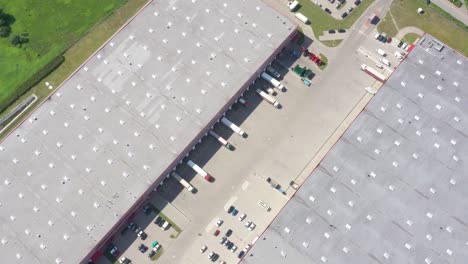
[{"x": 245, "y": 185}]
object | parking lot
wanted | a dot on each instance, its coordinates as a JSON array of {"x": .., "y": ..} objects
[{"x": 338, "y": 9}]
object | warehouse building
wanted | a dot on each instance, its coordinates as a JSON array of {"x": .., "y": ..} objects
[
  {"x": 76, "y": 170},
  {"x": 394, "y": 188}
]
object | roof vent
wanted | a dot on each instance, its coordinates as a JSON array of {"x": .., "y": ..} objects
[
  {"x": 103, "y": 183},
  {"x": 369, "y": 217},
  {"x": 27, "y": 232},
  {"x": 43, "y": 187},
  {"x": 42, "y": 246},
  {"x": 146, "y": 167},
  {"x": 7, "y": 182},
  {"x": 50, "y": 223},
  {"x": 88, "y": 170},
  {"x": 66, "y": 237},
  {"x": 109, "y": 161},
  {"x": 311, "y": 198},
  {"x": 323, "y": 259},
  {"x": 20, "y": 195},
  {"x": 73, "y": 157},
  {"x": 130, "y": 154},
  {"x": 428, "y": 261},
  {"x": 408, "y": 246},
  {"x": 287, "y": 230},
  {"x": 73, "y": 213},
  {"x": 330, "y": 212},
  {"x": 151, "y": 146},
  {"x": 51, "y": 165},
  {"x": 125, "y": 174},
  {"x": 96, "y": 205},
  {"x": 4, "y": 241},
  {"x": 36, "y": 209},
  {"x": 386, "y": 255},
  {"x": 95, "y": 149},
  {"x": 12, "y": 218},
  {"x": 89, "y": 228},
  {"x": 184, "y": 34},
  {"x": 115, "y": 141},
  {"x": 80, "y": 136},
  {"x": 58, "y": 261},
  {"x": 18, "y": 256},
  {"x": 80, "y": 191},
  {"x": 2, "y": 148},
  {"x": 58, "y": 200}
]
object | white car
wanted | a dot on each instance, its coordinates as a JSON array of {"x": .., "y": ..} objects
[
  {"x": 211, "y": 255},
  {"x": 234, "y": 248},
  {"x": 252, "y": 226},
  {"x": 203, "y": 249},
  {"x": 242, "y": 217},
  {"x": 247, "y": 247},
  {"x": 248, "y": 223},
  {"x": 220, "y": 222}
]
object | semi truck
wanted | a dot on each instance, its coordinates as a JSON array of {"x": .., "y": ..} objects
[
  {"x": 268, "y": 98},
  {"x": 222, "y": 140},
  {"x": 273, "y": 81},
  {"x": 233, "y": 127},
  {"x": 377, "y": 75},
  {"x": 182, "y": 181},
  {"x": 302, "y": 18},
  {"x": 199, "y": 170}
]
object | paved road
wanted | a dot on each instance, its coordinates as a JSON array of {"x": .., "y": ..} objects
[
  {"x": 459, "y": 13},
  {"x": 407, "y": 30}
]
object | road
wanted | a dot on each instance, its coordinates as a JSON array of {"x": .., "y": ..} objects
[{"x": 459, "y": 13}]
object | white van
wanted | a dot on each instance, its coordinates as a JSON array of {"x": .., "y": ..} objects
[
  {"x": 381, "y": 52},
  {"x": 293, "y": 5},
  {"x": 302, "y": 18},
  {"x": 385, "y": 61},
  {"x": 165, "y": 226}
]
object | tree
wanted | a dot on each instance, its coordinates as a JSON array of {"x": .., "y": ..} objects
[
  {"x": 2, "y": 22},
  {"x": 5, "y": 31},
  {"x": 17, "y": 40}
]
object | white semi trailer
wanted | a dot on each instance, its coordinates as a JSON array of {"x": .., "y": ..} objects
[
  {"x": 182, "y": 181},
  {"x": 268, "y": 98},
  {"x": 199, "y": 170},
  {"x": 232, "y": 126},
  {"x": 273, "y": 81}
]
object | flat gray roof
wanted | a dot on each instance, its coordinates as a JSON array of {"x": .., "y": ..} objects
[
  {"x": 394, "y": 187},
  {"x": 80, "y": 162}
]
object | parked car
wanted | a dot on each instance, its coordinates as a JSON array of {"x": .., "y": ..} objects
[
  {"x": 345, "y": 14},
  {"x": 166, "y": 225},
  {"x": 125, "y": 260},
  {"x": 142, "y": 248},
  {"x": 338, "y": 5},
  {"x": 216, "y": 233},
  {"x": 252, "y": 226},
  {"x": 228, "y": 232},
  {"x": 318, "y": 4},
  {"x": 242, "y": 217},
  {"x": 151, "y": 254},
  {"x": 233, "y": 248},
  {"x": 331, "y": 1},
  {"x": 350, "y": 9},
  {"x": 341, "y": 30},
  {"x": 203, "y": 249},
  {"x": 389, "y": 40},
  {"x": 142, "y": 235},
  {"x": 219, "y": 222},
  {"x": 229, "y": 245},
  {"x": 223, "y": 239},
  {"x": 357, "y": 2},
  {"x": 158, "y": 220},
  {"x": 132, "y": 226},
  {"x": 400, "y": 44},
  {"x": 248, "y": 223},
  {"x": 331, "y": 31},
  {"x": 114, "y": 251},
  {"x": 230, "y": 209},
  {"x": 241, "y": 254},
  {"x": 213, "y": 256},
  {"x": 147, "y": 209},
  {"x": 328, "y": 11},
  {"x": 234, "y": 212},
  {"x": 273, "y": 72},
  {"x": 138, "y": 229}
]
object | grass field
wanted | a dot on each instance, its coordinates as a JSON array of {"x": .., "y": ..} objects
[
  {"x": 78, "y": 53},
  {"x": 410, "y": 38},
  {"x": 52, "y": 26},
  {"x": 432, "y": 22},
  {"x": 321, "y": 21}
]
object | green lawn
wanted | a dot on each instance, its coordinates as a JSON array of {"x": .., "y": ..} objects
[
  {"x": 321, "y": 21},
  {"x": 410, "y": 38},
  {"x": 433, "y": 21},
  {"x": 52, "y": 26}
]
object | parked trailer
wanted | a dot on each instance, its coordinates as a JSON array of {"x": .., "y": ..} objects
[
  {"x": 222, "y": 140},
  {"x": 377, "y": 75},
  {"x": 302, "y": 18},
  {"x": 273, "y": 81},
  {"x": 268, "y": 98},
  {"x": 233, "y": 127},
  {"x": 182, "y": 181},
  {"x": 199, "y": 170}
]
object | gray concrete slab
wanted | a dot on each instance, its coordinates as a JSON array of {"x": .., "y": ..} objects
[{"x": 402, "y": 177}]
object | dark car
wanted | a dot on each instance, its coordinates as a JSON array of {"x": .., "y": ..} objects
[
  {"x": 389, "y": 40},
  {"x": 234, "y": 212},
  {"x": 400, "y": 44},
  {"x": 151, "y": 254},
  {"x": 216, "y": 233},
  {"x": 147, "y": 210},
  {"x": 158, "y": 220},
  {"x": 345, "y": 14},
  {"x": 328, "y": 11},
  {"x": 132, "y": 226},
  {"x": 229, "y": 245},
  {"x": 357, "y": 2},
  {"x": 341, "y": 30},
  {"x": 228, "y": 232},
  {"x": 331, "y": 31},
  {"x": 241, "y": 254},
  {"x": 215, "y": 257},
  {"x": 230, "y": 209},
  {"x": 384, "y": 40},
  {"x": 161, "y": 223},
  {"x": 142, "y": 248}
]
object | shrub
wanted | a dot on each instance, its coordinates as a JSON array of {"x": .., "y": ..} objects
[
  {"x": 33, "y": 80},
  {"x": 4, "y": 31}
]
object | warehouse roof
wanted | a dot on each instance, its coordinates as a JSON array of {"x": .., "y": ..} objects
[
  {"x": 394, "y": 187},
  {"x": 89, "y": 152}
]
